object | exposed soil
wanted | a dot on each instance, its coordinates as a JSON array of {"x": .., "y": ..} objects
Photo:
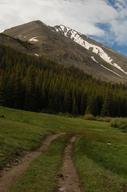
[
  {"x": 9, "y": 177},
  {"x": 68, "y": 180}
]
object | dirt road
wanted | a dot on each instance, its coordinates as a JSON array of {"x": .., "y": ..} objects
[
  {"x": 68, "y": 180},
  {"x": 9, "y": 178}
]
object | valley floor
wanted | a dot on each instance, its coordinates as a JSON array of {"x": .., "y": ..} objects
[{"x": 47, "y": 153}]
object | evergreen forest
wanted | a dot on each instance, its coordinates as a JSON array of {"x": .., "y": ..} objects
[{"x": 38, "y": 84}]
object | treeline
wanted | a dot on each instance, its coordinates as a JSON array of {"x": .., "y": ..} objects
[{"x": 38, "y": 84}]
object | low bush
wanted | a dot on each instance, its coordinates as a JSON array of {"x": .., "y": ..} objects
[
  {"x": 103, "y": 119},
  {"x": 119, "y": 123},
  {"x": 2, "y": 116},
  {"x": 89, "y": 117}
]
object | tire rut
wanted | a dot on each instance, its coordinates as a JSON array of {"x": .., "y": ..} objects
[
  {"x": 68, "y": 180},
  {"x": 9, "y": 178}
]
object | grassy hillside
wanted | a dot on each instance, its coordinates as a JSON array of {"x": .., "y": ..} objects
[
  {"x": 17, "y": 138},
  {"x": 100, "y": 153}
]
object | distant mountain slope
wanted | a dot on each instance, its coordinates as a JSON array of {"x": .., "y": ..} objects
[
  {"x": 109, "y": 56},
  {"x": 66, "y": 46},
  {"x": 16, "y": 44}
]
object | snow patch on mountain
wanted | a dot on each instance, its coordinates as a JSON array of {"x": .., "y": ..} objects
[
  {"x": 111, "y": 71},
  {"x": 93, "y": 58},
  {"x": 77, "y": 37},
  {"x": 118, "y": 67},
  {"x": 33, "y": 39},
  {"x": 36, "y": 54}
]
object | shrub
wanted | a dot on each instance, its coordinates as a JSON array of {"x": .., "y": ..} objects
[
  {"x": 104, "y": 119},
  {"x": 119, "y": 123},
  {"x": 2, "y": 116},
  {"x": 90, "y": 117}
]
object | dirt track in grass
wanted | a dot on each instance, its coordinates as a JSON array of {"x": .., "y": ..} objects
[
  {"x": 9, "y": 177},
  {"x": 68, "y": 180}
]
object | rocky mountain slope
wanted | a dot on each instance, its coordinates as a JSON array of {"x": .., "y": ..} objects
[{"x": 69, "y": 47}]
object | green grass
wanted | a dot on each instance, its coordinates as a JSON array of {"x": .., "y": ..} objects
[
  {"x": 102, "y": 163},
  {"x": 95, "y": 178},
  {"x": 24, "y": 130},
  {"x": 16, "y": 138},
  {"x": 109, "y": 152},
  {"x": 42, "y": 174},
  {"x": 100, "y": 154},
  {"x": 55, "y": 123}
]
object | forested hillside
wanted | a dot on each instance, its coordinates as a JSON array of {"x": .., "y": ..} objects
[
  {"x": 38, "y": 84},
  {"x": 66, "y": 46}
]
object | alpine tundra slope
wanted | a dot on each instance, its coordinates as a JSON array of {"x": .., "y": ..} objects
[{"x": 69, "y": 47}]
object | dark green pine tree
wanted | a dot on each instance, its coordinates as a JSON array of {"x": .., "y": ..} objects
[
  {"x": 92, "y": 105},
  {"x": 1, "y": 91},
  {"x": 30, "y": 91},
  {"x": 107, "y": 106}
]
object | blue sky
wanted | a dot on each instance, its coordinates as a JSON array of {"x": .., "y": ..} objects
[
  {"x": 104, "y": 20},
  {"x": 120, "y": 47},
  {"x": 111, "y": 41}
]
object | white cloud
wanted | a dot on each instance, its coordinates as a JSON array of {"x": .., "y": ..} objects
[
  {"x": 118, "y": 26},
  {"x": 82, "y": 15}
]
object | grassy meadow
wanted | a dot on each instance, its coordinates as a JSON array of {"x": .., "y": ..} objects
[
  {"x": 100, "y": 153},
  {"x": 43, "y": 171}
]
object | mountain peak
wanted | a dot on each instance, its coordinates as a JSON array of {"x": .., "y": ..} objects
[
  {"x": 31, "y": 31},
  {"x": 73, "y": 48},
  {"x": 66, "y": 31},
  {"x": 28, "y": 25},
  {"x": 35, "y": 22},
  {"x": 88, "y": 44}
]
